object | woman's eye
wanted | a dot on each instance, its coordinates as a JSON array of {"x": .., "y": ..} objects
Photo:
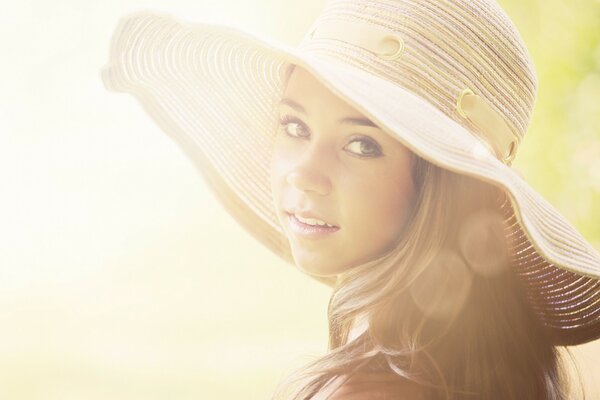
[
  {"x": 364, "y": 147},
  {"x": 293, "y": 126}
]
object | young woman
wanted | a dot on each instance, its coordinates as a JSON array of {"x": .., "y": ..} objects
[{"x": 376, "y": 158}]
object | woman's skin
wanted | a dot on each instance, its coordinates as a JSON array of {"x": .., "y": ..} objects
[
  {"x": 351, "y": 175},
  {"x": 377, "y": 386}
]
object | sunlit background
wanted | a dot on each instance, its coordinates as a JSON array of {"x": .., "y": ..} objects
[{"x": 121, "y": 277}]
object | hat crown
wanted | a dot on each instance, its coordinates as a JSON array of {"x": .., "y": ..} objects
[{"x": 443, "y": 49}]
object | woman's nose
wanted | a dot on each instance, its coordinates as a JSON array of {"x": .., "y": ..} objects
[{"x": 309, "y": 175}]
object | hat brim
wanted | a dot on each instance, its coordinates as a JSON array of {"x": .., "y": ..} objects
[{"x": 215, "y": 89}]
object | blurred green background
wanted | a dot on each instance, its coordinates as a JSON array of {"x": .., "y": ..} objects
[
  {"x": 561, "y": 151},
  {"x": 118, "y": 279}
]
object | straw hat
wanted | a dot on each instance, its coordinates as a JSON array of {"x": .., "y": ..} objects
[{"x": 450, "y": 79}]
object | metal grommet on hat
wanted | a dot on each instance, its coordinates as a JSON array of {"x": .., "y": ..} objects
[
  {"x": 376, "y": 39},
  {"x": 397, "y": 45},
  {"x": 512, "y": 152},
  {"x": 464, "y": 92}
]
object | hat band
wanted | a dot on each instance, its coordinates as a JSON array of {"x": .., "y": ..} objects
[
  {"x": 492, "y": 129},
  {"x": 382, "y": 42}
]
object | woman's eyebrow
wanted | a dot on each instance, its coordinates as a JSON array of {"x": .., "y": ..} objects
[
  {"x": 291, "y": 103},
  {"x": 358, "y": 121},
  {"x": 350, "y": 121}
]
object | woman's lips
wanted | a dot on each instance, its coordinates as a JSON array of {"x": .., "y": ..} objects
[{"x": 309, "y": 231}]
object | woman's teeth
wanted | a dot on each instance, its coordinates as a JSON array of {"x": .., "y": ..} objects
[{"x": 312, "y": 221}]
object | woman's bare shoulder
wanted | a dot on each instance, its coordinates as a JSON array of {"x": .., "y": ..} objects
[{"x": 377, "y": 386}]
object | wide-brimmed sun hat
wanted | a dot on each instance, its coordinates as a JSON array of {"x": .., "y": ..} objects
[{"x": 451, "y": 80}]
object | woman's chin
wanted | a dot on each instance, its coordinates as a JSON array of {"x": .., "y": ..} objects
[{"x": 321, "y": 267}]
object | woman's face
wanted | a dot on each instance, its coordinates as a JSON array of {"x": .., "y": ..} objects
[{"x": 331, "y": 163}]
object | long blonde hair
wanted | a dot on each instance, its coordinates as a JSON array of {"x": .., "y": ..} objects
[{"x": 444, "y": 308}]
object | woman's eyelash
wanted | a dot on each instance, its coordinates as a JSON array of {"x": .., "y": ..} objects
[
  {"x": 367, "y": 141},
  {"x": 287, "y": 119}
]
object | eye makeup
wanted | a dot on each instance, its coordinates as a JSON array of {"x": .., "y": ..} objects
[{"x": 367, "y": 142}]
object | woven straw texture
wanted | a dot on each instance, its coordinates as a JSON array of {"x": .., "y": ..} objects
[{"x": 215, "y": 90}]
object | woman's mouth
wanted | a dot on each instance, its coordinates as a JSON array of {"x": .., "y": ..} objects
[{"x": 309, "y": 227}]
